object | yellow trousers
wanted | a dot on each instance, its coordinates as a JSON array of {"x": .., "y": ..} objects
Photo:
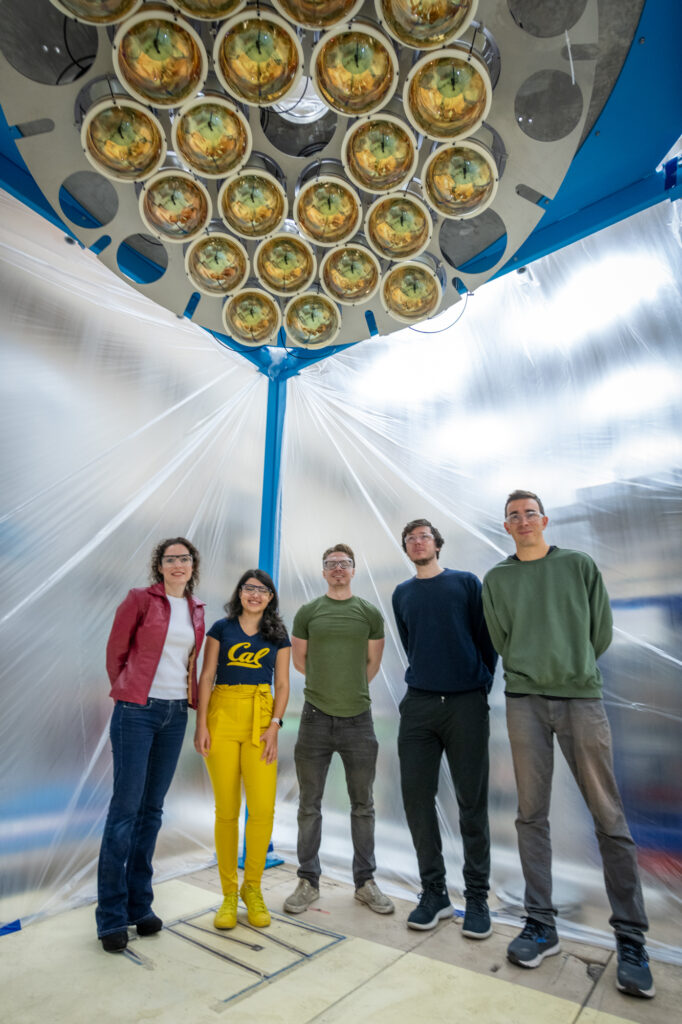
[{"x": 237, "y": 716}]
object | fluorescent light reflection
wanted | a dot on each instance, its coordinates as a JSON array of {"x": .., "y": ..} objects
[
  {"x": 632, "y": 392},
  {"x": 413, "y": 369}
]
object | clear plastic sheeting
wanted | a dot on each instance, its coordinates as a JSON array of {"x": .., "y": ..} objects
[
  {"x": 120, "y": 425},
  {"x": 564, "y": 378}
]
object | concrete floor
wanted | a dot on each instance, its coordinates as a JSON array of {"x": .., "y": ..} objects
[{"x": 338, "y": 963}]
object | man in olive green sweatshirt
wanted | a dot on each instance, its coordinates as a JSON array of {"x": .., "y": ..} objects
[{"x": 549, "y": 618}]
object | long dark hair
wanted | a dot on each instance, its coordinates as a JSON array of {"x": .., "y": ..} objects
[
  {"x": 271, "y": 626},
  {"x": 155, "y": 574}
]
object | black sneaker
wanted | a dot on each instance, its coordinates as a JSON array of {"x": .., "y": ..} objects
[
  {"x": 536, "y": 941},
  {"x": 476, "y": 923},
  {"x": 149, "y": 925},
  {"x": 434, "y": 904},
  {"x": 634, "y": 976},
  {"x": 115, "y": 942}
]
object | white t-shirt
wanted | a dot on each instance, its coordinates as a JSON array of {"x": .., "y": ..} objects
[{"x": 170, "y": 681}]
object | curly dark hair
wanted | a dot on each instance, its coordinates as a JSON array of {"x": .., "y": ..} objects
[
  {"x": 271, "y": 626},
  {"x": 157, "y": 554},
  {"x": 413, "y": 524}
]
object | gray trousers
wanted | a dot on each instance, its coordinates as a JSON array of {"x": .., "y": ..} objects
[
  {"x": 582, "y": 729},
  {"x": 319, "y": 736}
]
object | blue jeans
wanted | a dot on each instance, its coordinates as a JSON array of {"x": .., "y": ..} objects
[
  {"x": 145, "y": 741},
  {"x": 584, "y": 736},
  {"x": 319, "y": 735}
]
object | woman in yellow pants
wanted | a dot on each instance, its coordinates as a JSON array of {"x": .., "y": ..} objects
[{"x": 237, "y": 728}]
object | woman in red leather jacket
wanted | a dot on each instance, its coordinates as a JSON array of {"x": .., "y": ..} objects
[{"x": 151, "y": 663}]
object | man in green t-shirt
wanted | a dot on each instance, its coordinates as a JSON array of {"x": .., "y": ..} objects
[
  {"x": 549, "y": 618},
  {"x": 337, "y": 643}
]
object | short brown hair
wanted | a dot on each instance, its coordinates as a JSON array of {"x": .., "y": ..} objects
[
  {"x": 437, "y": 536},
  {"x": 155, "y": 574},
  {"x": 518, "y": 496},
  {"x": 340, "y": 547}
]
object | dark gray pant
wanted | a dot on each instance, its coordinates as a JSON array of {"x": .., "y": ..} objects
[
  {"x": 584, "y": 736},
  {"x": 319, "y": 736},
  {"x": 456, "y": 724}
]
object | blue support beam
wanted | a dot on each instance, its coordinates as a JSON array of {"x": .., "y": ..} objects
[{"x": 271, "y": 499}]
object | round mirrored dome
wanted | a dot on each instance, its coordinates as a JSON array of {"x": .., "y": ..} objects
[
  {"x": 355, "y": 71},
  {"x": 97, "y": 12},
  {"x": 285, "y": 264},
  {"x": 425, "y": 24},
  {"x": 123, "y": 141},
  {"x": 460, "y": 181},
  {"x": 411, "y": 292},
  {"x": 252, "y": 317},
  {"x": 174, "y": 206},
  {"x": 258, "y": 57},
  {"x": 350, "y": 274},
  {"x": 398, "y": 226},
  {"x": 212, "y": 137},
  {"x": 159, "y": 58},
  {"x": 379, "y": 153},
  {"x": 217, "y": 264},
  {"x": 327, "y": 210},
  {"x": 253, "y": 204},
  {"x": 448, "y": 94},
  {"x": 208, "y": 10},
  {"x": 318, "y": 14},
  {"x": 311, "y": 321}
]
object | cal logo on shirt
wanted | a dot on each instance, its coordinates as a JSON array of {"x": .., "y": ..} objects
[{"x": 246, "y": 658}]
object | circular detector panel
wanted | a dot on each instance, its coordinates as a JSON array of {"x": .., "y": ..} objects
[
  {"x": 327, "y": 210},
  {"x": 285, "y": 264},
  {"x": 208, "y": 10},
  {"x": 411, "y": 292},
  {"x": 355, "y": 71},
  {"x": 350, "y": 274},
  {"x": 252, "y": 317},
  {"x": 447, "y": 94},
  {"x": 379, "y": 153},
  {"x": 175, "y": 206},
  {"x": 398, "y": 226},
  {"x": 159, "y": 58},
  {"x": 318, "y": 14},
  {"x": 97, "y": 12},
  {"x": 460, "y": 181},
  {"x": 258, "y": 57},
  {"x": 311, "y": 321},
  {"x": 211, "y": 136},
  {"x": 253, "y": 204},
  {"x": 425, "y": 24},
  {"x": 124, "y": 141},
  {"x": 217, "y": 264}
]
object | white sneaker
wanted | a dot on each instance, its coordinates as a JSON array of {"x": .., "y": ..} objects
[{"x": 373, "y": 897}]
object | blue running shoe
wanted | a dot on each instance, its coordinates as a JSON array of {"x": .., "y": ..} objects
[
  {"x": 634, "y": 976},
  {"x": 536, "y": 941}
]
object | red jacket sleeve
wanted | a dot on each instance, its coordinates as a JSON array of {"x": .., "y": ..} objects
[{"x": 128, "y": 617}]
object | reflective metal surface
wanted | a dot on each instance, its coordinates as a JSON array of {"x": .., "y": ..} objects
[
  {"x": 253, "y": 204},
  {"x": 318, "y": 14},
  {"x": 355, "y": 71},
  {"x": 311, "y": 320},
  {"x": 448, "y": 94},
  {"x": 175, "y": 206},
  {"x": 285, "y": 264},
  {"x": 159, "y": 58},
  {"x": 350, "y": 274},
  {"x": 379, "y": 153},
  {"x": 460, "y": 181},
  {"x": 411, "y": 292},
  {"x": 425, "y": 24},
  {"x": 212, "y": 137},
  {"x": 258, "y": 58},
  {"x": 208, "y": 10},
  {"x": 97, "y": 12},
  {"x": 398, "y": 226},
  {"x": 124, "y": 141},
  {"x": 217, "y": 264},
  {"x": 252, "y": 317},
  {"x": 327, "y": 210}
]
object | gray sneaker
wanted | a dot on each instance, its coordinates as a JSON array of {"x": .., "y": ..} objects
[
  {"x": 373, "y": 897},
  {"x": 303, "y": 895}
]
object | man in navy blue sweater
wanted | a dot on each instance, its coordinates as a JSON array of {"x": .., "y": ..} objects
[{"x": 450, "y": 669}]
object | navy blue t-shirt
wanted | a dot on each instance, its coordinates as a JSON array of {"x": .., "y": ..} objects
[
  {"x": 441, "y": 626},
  {"x": 243, "y": 659}
]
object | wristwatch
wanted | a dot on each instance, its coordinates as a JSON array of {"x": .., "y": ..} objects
[{"x": 280, "y": 721}]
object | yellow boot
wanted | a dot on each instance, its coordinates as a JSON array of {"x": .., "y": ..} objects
[
  {"x": 227, "y": 913},
  {"x": 258, "y": 913}
]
